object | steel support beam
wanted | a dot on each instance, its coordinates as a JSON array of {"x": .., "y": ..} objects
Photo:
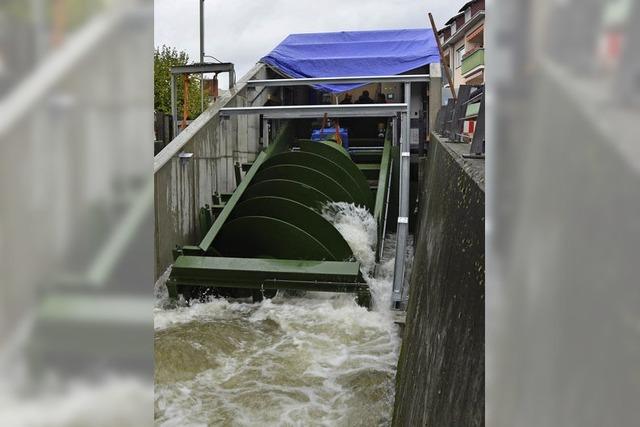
[
  {"x": 312, "y": 111},
  {"x": 396, "y": 130},
  {"x": 409, "y": 78},
  {"x": 201, "y": 54},
  {"x": 395, "y": 123},
  {"x": 403, "y": 211},
  {"x": 382, "y": 194},
  {"x": 232, "y": 78},
  {"x": 174, "y": 106},
  {"x": 265, "y": 133},
  {"x": 214, "y": 67},
  {"x": 256, "y": 273},
  {"x": 219, "y": 67}
]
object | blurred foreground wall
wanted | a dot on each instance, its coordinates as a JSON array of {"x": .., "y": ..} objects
[
  {"x": 563, "y": 172},
  {"x": 76, "y": 210}
]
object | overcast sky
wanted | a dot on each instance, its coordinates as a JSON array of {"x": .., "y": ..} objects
[{"x": 243, "y": 31}]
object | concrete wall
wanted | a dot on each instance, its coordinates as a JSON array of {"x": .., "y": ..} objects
[
  {"x": 182, "y": 187},
  {"x": 440, "y": 380}
]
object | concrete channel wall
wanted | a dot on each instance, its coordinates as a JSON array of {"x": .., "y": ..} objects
[
  {"x": 184, "y": 185},
  {"x": 440, "y": 380}
]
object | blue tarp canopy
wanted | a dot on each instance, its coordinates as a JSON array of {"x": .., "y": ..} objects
[{"x": 353, "y": 53}]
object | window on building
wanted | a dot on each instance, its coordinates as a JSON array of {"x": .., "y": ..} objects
[
  {"x": 453, "y": 27},
  {"x": 474, "y": 40},
  {"x": 467, "y": 14},
  {"x": 476, "y": 37},
  {"x": 458, "y": 57}
]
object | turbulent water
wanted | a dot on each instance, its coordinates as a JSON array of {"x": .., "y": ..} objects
[{"x": 315, "y": 359}]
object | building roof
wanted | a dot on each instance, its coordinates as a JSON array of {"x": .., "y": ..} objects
[
  {"x": 462, "y": 30},
  {"x": 453, "y": 18},
  {"x": 467, "y": 5},
  {"x": 443, "y": 29}
]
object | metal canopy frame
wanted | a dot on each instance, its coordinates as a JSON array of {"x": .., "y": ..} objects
[
  {"x": 209, "y": 67},
  {"x": 359, "y": 110},
  {"x": 407, "y": 78},
  {"x": 402, "y": 229},
  {"x": 202, "y": 68},
  {"x": 353, "y": 110},
  {"x": 311, "y": 111}
]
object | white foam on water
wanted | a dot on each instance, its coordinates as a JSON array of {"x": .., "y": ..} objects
[
  {"x": 215, "y": 309},
  {"x": 160, "y": 291},
  {"x": 359, "y": 229},
  {"x": 316, "y": 359}
]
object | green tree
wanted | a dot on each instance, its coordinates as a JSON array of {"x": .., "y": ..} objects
[{"x": 164, "y": 58}]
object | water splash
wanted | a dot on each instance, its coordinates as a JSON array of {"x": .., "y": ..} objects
[
  {"x": 359, "y": 229},
  {"x": 160, "y": 291}
]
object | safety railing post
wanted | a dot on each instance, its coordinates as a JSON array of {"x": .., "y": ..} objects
[{"x": 403, "y": 211}]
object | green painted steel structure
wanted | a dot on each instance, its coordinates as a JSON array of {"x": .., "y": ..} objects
[{"x": 271, "y": 234}]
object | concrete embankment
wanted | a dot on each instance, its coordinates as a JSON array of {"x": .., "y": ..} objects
[{"x": 440, "y": 379}]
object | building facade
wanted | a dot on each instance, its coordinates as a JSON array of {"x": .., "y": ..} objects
[{"x": 462, "y": 40}]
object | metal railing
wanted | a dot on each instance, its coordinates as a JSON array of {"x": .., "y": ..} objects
[
  {"x": 312, "y": 111},
  {"x": 174, "y": 147}
]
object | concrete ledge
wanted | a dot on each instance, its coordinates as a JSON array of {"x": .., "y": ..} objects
[{"x": 472, "y": 167}]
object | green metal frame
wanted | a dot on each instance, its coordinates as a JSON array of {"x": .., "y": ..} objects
[
  {"x": 383, "y": 189},
  {"x": 328, "y": 276},
  {"x": 383, "y": 177}
]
